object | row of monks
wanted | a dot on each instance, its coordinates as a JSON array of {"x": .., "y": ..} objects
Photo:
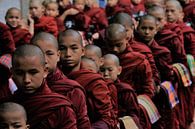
[{"x": 72, "y": 65}]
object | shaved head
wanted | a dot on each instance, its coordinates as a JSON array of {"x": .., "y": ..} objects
[
  {"x": 12, "y": 107},
  {"x": 112, "y": 57},
  {"x": 115, "y": 32},
  {"x": 151, "y": 3},
  {"x": 175, "y": 3},
  {"x": 44, "y": 36},
  {"x": 123, "y": 19},
  {"x": 40, "y": 2},
  {"x": 72, "y": 33},
  {"x": 89, "y": 64},
  {"x": 158, "y": 9},
  {"x": 95, "y": 49},
  {"x": 28, "y": 51},
  {"x": 12, "y": 9},
  {"x": 147, "y": 17}
]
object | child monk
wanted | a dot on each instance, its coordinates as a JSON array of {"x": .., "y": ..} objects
[
  {"x": 133, "y": 63},
  {"x": 169, "y": 35},
  {"x": 89, "y": 64},
  {"x": 128, "y": 105},
  {"x": 6, "y": 39},
  {"x": 41, "y": 22},
  {"x": 13, "y": 116},
  {"x": 98, "y": 100},
  {"x": 174, "y": 12},
  {"x": 20, "y": 33},
  {"x": 44, "y": 107},
  {"x": 58, "y": 82},
  {"x": 125, "y": 20}
]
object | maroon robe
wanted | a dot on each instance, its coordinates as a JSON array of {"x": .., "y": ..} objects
[
  {"x": 137, "y": 72},
  {"x": 171, "y": 37},
  {"x": 21, "y": 36},
  {"x": 127, "y": 101},
  {"x": 59, "y": 83},
  {"x": 189, "y": 13},
  {"x": 6, "y": 40},
  {"x": 60, "y": 24},
  {"x": 189, "y": 38},
  {"x": 145, "y": 50},
  {"x": 99, "y": 103},
  {"x": 46, "y": 24},
  {"x": 98, "y": 18},
  {"x": 46, "y": 109}
]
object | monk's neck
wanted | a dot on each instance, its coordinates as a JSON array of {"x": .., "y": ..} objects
[{"x": 68, "y": 70}]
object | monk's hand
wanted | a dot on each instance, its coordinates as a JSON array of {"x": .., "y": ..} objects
[
  {"x": 30, "y": 20},
  {"x": 157, "y": 89},
  {"x": 72, "y": 11},
  {"x": 23, "y": 24}
]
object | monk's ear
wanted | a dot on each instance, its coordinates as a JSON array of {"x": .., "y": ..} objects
[
  {"x": 101, "y": 61},
  {"x": 83, "y": 51},
  {"x": 58, "y": 54},
  {"x": 46, "y": 72},
  {"x": 119, "y": 70},
  {"x": 27, "y": 126}
]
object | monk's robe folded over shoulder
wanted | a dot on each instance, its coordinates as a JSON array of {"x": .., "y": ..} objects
[
  {"x": 46, "y": 109},
  {"x": 100, "y": 109},
  {"x": 127, "y": 100},
  {"x": 171, "y": 37},
  {"x": 189, "y": 38},
  {"x": 137, "y": 72},
  {"x": 189, "y": 13},
  {"x": 145, "y": 50},
  {"x": 21, "y": 36},
  {"x": 59, "y": 83},
  {"x": 98, "y": 18},
  {"x": 7, "y": 44},
  {"x": 46, "y": 24}
]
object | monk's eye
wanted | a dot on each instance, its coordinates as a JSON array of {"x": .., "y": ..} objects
[
  {"x": 62, "y": 48},
  {"x": 17, "y": 126},
  {"x": 102, "y": 70}
]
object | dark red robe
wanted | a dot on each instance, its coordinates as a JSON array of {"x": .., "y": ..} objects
[
  {"x": 171, "y": 37},
  {"x": 46, "y": 109},
  {"x": 59, "y": 83},
  {"x": 189, "y": 13},
  {"x": 60, "y": 24},
  {"x": 137, "y": 72},
  {"x": 98, "y": 18},
  {"x": 145, "y": 50},
  {"x": 46, "y": 24},
  {"x": 100, "y": 109},
  {"x": 7, "y": 44},
  {"x": 21, "y": 36},
  {"x": 127, "y": 101}
]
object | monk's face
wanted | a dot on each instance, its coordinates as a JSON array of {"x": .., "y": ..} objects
[
  {"x": 129, "y": 31},
  {"x": 63, "y": 3},
  {"x": 112, "y": 3},
  {"x": 13, "y": 18},
  {"x": 28, "y": 73},
  {"x": 110, "y": 70},
  {"x": 71, "y": 51},
  {"x": 80, "y": 4},
  {"x": 117, "y": 46},
  {"x": 89, "y": 66},
  {"x": 52, "y": 10},
  {"x": 147, "y": 29},
  {"x": 36, "y": 9},
  {"x": 52, "y": 54},
  {"x": 13, "y": 120},
  {"x": 172, "y": 12},
  {"x": 161, "y": 18}
]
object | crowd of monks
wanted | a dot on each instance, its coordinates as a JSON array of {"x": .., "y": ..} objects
[{"x": 75, "y": 65}]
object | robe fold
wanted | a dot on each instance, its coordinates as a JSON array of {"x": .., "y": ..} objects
[
  {"x": 59, "y": 83},
  {"x": 46, "y": 109},
  {"x": 137, "y": 72},
  {"x": 46, "y": 24},
  {"x": 127, "y": 101},
  {"x": 171, "y": 37},
  {"x": 100, "y": 109},
  {"x": 145, "y": 50},
  {"x": 189, "y": 13},
  {"x": 7, "y": 44},
  {"x": 21, "y": 36}
]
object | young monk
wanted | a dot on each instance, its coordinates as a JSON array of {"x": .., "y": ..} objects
[
  {"x": 128, "y": 105},
  {"x": 127, "y": 22},
  {"x": 58, "y": 82},
  {"x": 20, "y": 34},
  {"x": 44, "y": 107},
  {"x": 98, "y": 100},
  {"x": 89, "y": 64},
  {"x": 174, "y": 12},
  {"x": 7, "y": 43},
  {"x": 13, "y": 116},
  {"x": 169, "y": 35},
  {"x": 41, "y": 22}
]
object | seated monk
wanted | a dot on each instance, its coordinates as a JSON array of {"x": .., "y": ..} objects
[
  {"x": 99, "y": 104},
  {"x": 42, "y": 23},
  {"x": 133, "y": 63},
  {"x": 7, "y": 43},
  {"x": 13, "y": 115},
  {"x": 45, "y": 108},
  {"x": 58, "y": 82},
  {"x": 127, "y": 101},
  {"x": 20, "y": 34}
]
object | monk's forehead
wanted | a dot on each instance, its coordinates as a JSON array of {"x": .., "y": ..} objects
[
  {"x": 112, "y": 58},
  {"x": 115, "y": 32}
]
